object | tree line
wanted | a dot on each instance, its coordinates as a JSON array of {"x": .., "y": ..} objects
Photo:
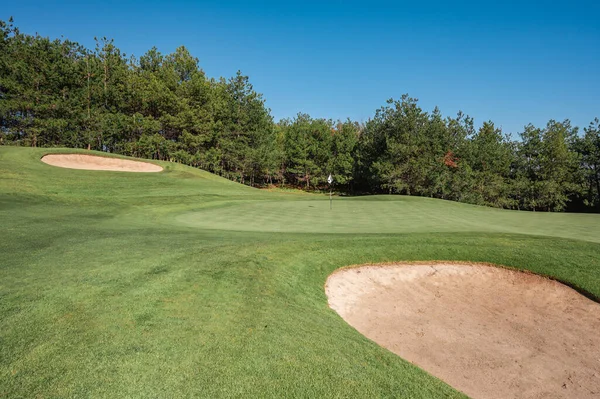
[{"x": 59, "y": 93}]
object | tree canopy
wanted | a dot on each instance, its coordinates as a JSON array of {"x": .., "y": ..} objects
[{"x": 163, "y": 106}]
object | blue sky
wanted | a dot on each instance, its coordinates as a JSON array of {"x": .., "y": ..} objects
[{"x": 512, "y": 62}]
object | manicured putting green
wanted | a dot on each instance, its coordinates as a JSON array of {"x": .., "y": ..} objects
[{"x": 388, "y": 214}]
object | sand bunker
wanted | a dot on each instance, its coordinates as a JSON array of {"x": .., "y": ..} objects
[
  {"x": 92, "y": 162},
  {"x": 488, "y": 332}
]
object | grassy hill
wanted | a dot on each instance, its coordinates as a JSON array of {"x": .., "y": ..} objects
[{"x": 184, "y": 284}]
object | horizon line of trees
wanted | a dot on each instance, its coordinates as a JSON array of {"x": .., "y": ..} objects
[{"x": 59, "y": 93}]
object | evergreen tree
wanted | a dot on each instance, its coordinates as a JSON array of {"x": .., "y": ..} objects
[
  {"x": 589, "y": 150},
  {"x": 58, "y": 93}
]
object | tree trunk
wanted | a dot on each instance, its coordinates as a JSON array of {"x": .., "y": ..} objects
[
  {"x": 105, "y": 83},
  {"x": 89, "y": 89},
  {"x": 598, "y": 190}
]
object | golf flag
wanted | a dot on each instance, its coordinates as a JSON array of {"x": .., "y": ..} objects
[{"x": 330, "y": 179}]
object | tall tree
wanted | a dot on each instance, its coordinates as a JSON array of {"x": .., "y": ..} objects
[
  {"x": 588, "y": 148},
  {"x": 58, "y": 93},
  {"x": 307, "y": 143},
  {"x": 490, "y": 159}
]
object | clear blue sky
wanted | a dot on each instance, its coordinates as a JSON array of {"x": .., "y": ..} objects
[{"x": 512, "y": 62}]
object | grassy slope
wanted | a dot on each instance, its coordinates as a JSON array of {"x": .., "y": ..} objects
[{"x": 158, "y": 285}]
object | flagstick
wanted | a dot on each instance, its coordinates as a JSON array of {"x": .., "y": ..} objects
[{"x": 330, "y": 180}]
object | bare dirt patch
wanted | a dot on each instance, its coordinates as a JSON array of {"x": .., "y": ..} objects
[
  {"x": 92, "y": 162},
  {"x": 488, "y": 332}
]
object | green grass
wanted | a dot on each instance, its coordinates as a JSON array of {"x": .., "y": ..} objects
[
  {"x": 388, "y": 214},
  {"x": 183, "y": 284}
]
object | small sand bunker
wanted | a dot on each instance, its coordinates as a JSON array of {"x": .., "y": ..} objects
[
  {"x": 488, "y": 332},
  {"x": 92, "y": 162}
]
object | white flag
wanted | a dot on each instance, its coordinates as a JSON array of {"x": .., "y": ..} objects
[{"x": 330, "y": 179}]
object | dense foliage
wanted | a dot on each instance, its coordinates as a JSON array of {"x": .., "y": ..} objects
[{"x": 58, "y": 93}]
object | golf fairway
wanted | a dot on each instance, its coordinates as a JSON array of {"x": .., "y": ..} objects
[{"x": 184, "y": 284}]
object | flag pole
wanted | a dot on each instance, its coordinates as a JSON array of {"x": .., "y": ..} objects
[{"x": 330, "y": 180}]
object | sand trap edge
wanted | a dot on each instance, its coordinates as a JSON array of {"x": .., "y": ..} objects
[
  {"x": 574, "y": 287},
  {"x": 98, "y": 163}
]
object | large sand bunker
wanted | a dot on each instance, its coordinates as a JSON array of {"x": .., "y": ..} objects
[
  {"x": 92, "y": 162},
  {"x": 489, "y": 332}
]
